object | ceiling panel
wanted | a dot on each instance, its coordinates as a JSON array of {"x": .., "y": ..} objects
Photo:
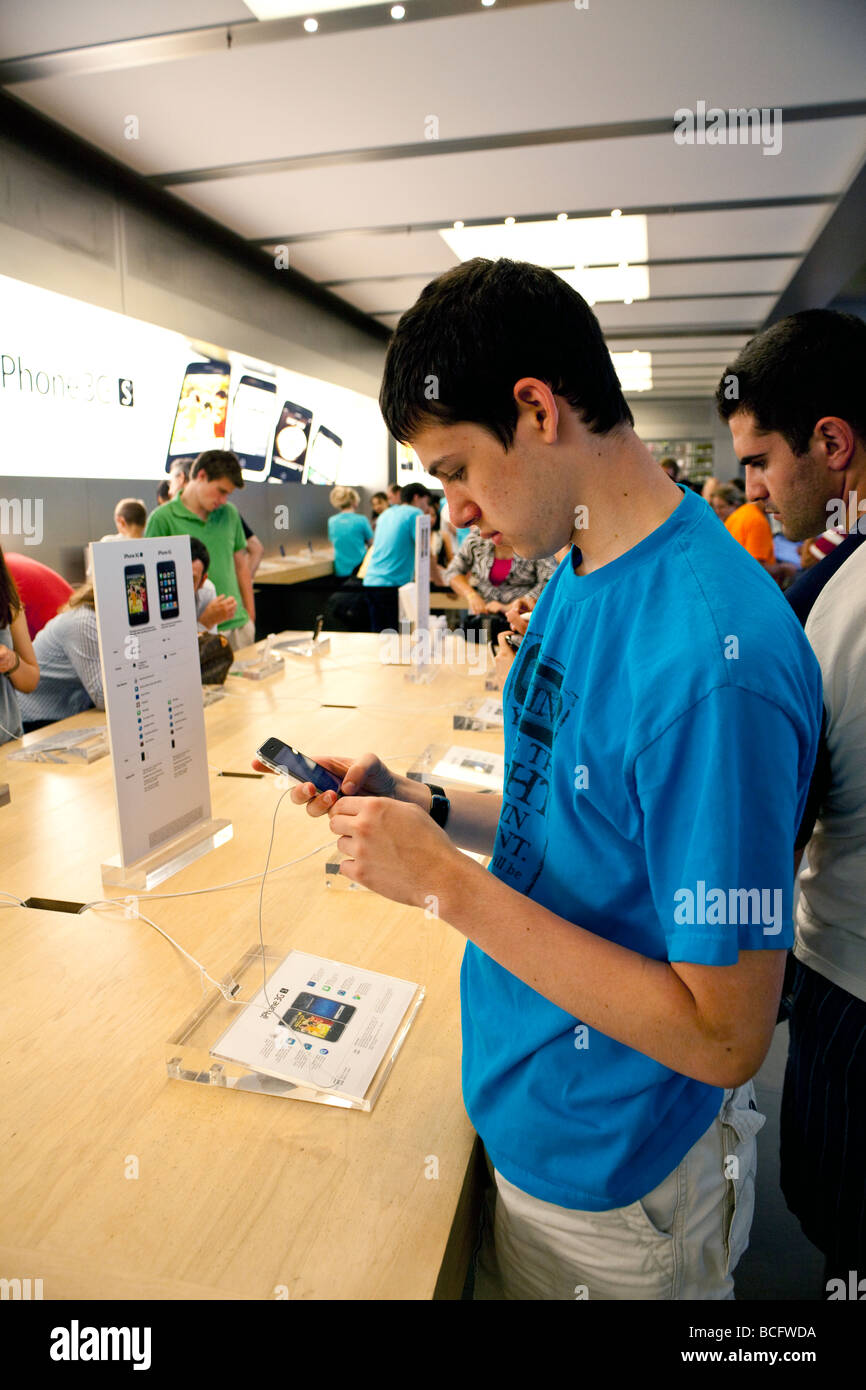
[
  {"x": 722, "y": 277},
  {"x": 350, "y": 257},
  {"x": 351, "y": 90},
  {"x": 42, "y": 26},
  {"x": 817, "y": 158},
  {"x": 365, "y": 224}
]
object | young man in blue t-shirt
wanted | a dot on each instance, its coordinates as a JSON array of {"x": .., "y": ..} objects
[{"x": 625, "y": 952}]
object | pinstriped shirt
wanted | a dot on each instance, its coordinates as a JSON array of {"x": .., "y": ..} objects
[
  {"x": 70, "y": 676},
  {"x": 525, "y": 579}
]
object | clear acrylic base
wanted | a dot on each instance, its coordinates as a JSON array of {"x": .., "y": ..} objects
[
  {"x": 144, "y": 874},
  {"x": 188, "y": 1058}
]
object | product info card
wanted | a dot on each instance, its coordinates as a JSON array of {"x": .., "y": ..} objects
[{"x": 148, "y": 637}]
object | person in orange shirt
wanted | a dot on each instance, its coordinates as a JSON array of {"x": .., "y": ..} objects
[
  {"x": 745, "y": 521},
  {"x": 748, "y": 524}
]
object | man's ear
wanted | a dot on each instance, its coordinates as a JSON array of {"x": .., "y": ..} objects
[
  {"x": 534, "y": 398},
  {"x": 836, "y": 440}
]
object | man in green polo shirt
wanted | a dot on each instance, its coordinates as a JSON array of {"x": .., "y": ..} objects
[{"x": 203, "y": 509}]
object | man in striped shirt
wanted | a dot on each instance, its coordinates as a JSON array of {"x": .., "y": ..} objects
[{"x": 799, "y": 425}]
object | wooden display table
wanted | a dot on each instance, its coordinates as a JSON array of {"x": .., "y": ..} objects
[{"x": 121, "y": 1183}]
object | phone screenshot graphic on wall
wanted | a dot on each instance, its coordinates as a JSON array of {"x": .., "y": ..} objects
[{"x": 136, "y": 595}]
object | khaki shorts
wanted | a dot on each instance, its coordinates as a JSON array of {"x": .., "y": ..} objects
[
  {"x": 239, "y": 637},
  {"x": 681, "y": 1241}
]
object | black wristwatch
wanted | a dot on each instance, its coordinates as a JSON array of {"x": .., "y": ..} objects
[{"x": 440, "y": 805}]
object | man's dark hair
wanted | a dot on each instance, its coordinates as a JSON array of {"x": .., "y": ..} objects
[
  {"x": 410, "y": 491},
  {"x": 219, "y": 463},
  {"x": 475, "y": 331},
  {"x": 804, "y": 367},
  {"x": 162, "y": 491},
  {"x": 199, "y": 551}
]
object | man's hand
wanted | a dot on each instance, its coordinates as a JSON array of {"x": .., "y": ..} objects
[
  {"x": 219, "y": 610},
  {"x": 365, "y": 776},
  {"x": 493, "y": 606},
  {"x": 519, "y": 610},
  {"x": 377, "y": 834}
]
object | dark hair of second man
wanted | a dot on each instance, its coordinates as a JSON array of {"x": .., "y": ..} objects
[
  {"x": 473, "y": 332},
  {"x": 219, "y": 463},
  {"x": 410, "y": 491},
  {"x": 804, "y": 367}
]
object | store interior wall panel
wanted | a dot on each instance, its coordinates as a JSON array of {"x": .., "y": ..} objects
[{"x": 75, "y": 511}]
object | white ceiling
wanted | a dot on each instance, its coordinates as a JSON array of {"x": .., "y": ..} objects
[{"x": 364, "y": 224}]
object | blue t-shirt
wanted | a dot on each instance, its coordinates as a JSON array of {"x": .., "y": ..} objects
[
  {"x": 348, "y": 533},
  {"x": 661, "y": 725},
  {"x": 393, "y": 558}
]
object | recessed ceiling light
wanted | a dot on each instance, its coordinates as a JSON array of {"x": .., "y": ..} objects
[
  {"x": 311, "y": 25},
  {"x": 634, "y": 370},
  {"x": 628, "y": 301},
  {"x": 458, "y": 226},
  {"x": 488, "y": 3},
  {"x": 595, "y": 248},
  {"x": 397, "y": 12},
  {"x": 562, "y": 217},
  {"x": 296, "y": 9},
  {"x": 617, "y": 212}
]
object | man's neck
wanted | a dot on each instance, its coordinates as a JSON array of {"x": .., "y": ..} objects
[
  {"x": 190, "y": 499},
  {"x": 626, "y": 498}
]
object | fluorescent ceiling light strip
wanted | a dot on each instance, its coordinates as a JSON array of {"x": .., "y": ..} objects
[{"x": 290, "y": 9}]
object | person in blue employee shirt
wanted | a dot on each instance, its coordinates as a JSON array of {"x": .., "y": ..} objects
[
  {"x": 348, "y": 531},
  {"x": 392, "y": 561},
  {"x": 626, "y": 948}
]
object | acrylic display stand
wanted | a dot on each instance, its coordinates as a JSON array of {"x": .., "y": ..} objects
[
  {"x": 5, "y": 794},
  {"x": 187, "y": 1056},
  {"x": 472, "y": 768},
  {"x": 258, "y": 668},
  {"x": 480, "y": 714},
  {"x": 210, "y": 694},
  {"x": 144, "y": 874},
  {"x": 72, "y": 746},
  {"x": 304, "y": 646},
  {"x": 310, "y": 645}
]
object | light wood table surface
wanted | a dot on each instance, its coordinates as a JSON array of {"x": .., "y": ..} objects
[
  {"x": 238, "y": 1196},
  {"x": 295, "y": 569}
]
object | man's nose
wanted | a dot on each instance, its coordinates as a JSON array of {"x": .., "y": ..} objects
[
  {"x": 756, "y": 488},
  {"x": 461, "y": 509}
]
